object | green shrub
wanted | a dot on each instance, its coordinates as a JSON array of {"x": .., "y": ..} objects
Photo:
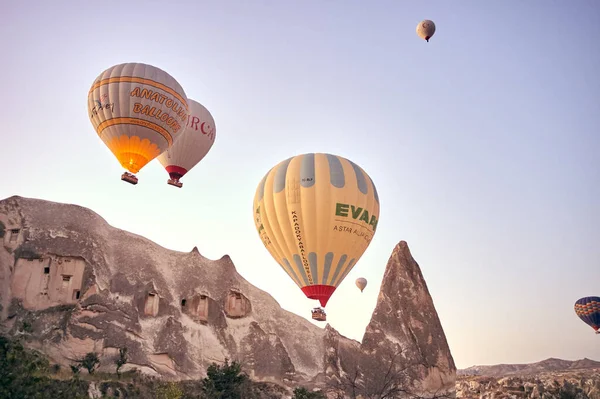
[
  {"x": 24, "y": 374},
  {"x": 303, "y": 393},
  {"x": 226, "y": 381},
  {"x": 89, "y": 362},
  {"x": 169, "y": 390}
]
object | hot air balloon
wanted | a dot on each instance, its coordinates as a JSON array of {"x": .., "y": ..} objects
[
  {"x": 192, "y": 146},
  {"x": 138, "y": 111},
  {"x": 316, "y": 214},
  {"x": 361, "y": 283},
  {"x": 588, "y": 310},
  {"x": 426, "y": 29}
]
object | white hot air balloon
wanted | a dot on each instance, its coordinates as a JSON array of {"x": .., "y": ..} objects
[
  {"x": 361, "y": 283},
  {"x": 426, "y": 29},
  {"x": 192, "y": 146}
]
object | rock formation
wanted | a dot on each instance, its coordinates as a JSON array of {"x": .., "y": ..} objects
[
  {"x": 72, "y": 284},
  {"x": 548, "y": 379},
  {"x": 576, "y": 384}
]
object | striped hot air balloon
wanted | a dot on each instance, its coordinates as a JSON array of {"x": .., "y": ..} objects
[
  {"x": 138, "y": 111},
  {"x": 316, "y": 214},
  {"x": 588, "y": 310}
]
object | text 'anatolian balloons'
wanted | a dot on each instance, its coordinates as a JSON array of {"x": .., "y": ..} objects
[{"x": 138, "y": 111}]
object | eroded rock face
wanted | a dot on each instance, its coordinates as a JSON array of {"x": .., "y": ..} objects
[
  {"x": 405, "y": 324},
  {"x": 73, "y": 284}
]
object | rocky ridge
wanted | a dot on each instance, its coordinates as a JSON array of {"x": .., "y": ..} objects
[
  {"x": 74, "y": 284},
  {"x": 547, "y": 365}
]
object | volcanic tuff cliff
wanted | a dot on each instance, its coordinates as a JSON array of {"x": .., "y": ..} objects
[{"x": 75, "y": 285}]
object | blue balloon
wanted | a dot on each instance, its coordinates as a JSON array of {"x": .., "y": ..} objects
[{"x": 588, "y": 310}]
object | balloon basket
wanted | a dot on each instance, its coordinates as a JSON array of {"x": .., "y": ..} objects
[
  {"x": 129, "y": 178},
  {"x": 319, "y": 314},
  {"x": 175, "y": 183}
]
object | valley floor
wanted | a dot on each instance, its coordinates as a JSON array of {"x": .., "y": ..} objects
[{"x": 579, "y": 384}]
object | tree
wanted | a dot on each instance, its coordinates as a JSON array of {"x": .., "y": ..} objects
[
  {"x": 376, "y": 377},
  {"x": 75, "y": 369},
  {"x": 226, "y": 381},
  {"x": 121, "y": 360},
  {"x": 303, "y": 393},
  {"x": 90, "y": 361}
]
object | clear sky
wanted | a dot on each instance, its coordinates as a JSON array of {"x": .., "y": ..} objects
[{"x": 484, "y": 143}]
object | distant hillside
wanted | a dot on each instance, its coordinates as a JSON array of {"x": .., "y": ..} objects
[{"x": 548, "y": 365}]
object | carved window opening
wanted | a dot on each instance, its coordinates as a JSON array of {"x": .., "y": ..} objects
[
  {"x": 237, "y": 305},
  {"x": 14, "y": 234},
  {"x": 47, "y": 270},
  {"x": 76, "y": 294},
  {"x": 202, "y": 308},
  {"x": 65, "y": 281},
  {"x": 151, "y": 305},
  {"x": 196, "y": 307}
]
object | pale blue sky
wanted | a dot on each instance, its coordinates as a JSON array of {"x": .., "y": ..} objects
[{"x": 483, "y": 143}]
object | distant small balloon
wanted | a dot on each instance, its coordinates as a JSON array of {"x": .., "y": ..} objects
[
  {"x": 588, "y": 310},
  {"x": 426, "y": 29},
  {"x": 361, "y": 283}
]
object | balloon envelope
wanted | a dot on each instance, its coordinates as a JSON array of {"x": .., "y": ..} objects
[
  {"x": 361, "y": 283},
  {"x": 316, "y": 214},
  {"x": 138, "y": 111},
  {"x": 588, "y": 310},
  {"x": 425, "y": 29},
  {"x": 194, "y": 143}
]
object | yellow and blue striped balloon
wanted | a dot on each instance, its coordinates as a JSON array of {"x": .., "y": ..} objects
[{"x": 316, "y": 214}]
